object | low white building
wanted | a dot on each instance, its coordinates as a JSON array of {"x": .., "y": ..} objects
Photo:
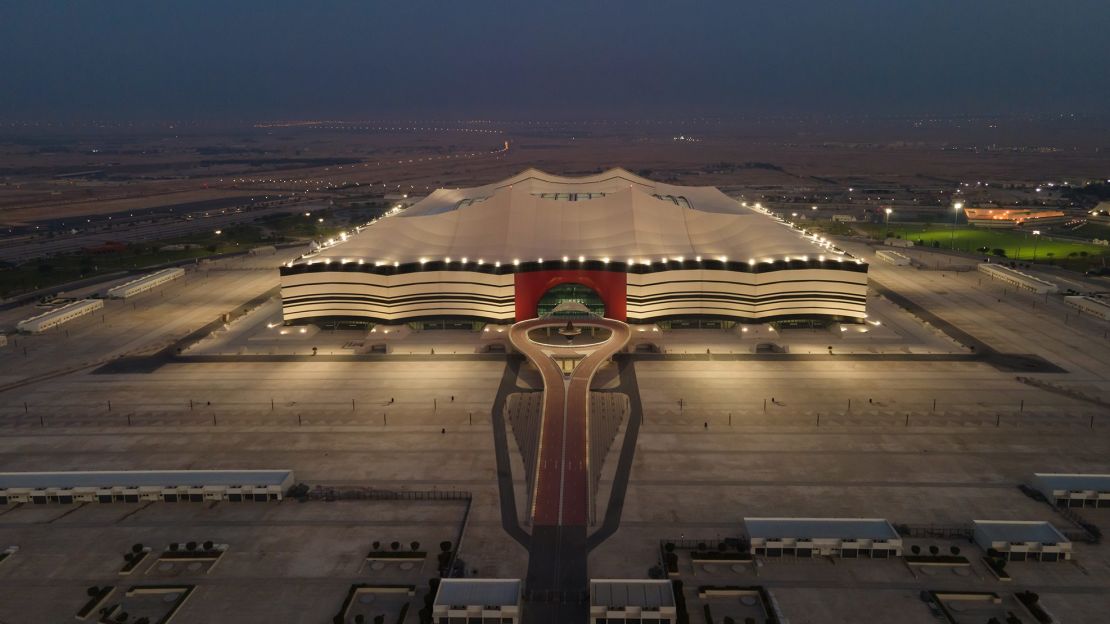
[
  {"x": 145, "y": 283},
  {"x": 1074, "y": 490},
  {"x": 620, "y": 601},
  {"x": 1017, "y": 279},
  {"x": 465, "y": 600},
  {"x": 133, "y": 486},
  {"x": 58, "y": 316},
  {"x": 1022, "y": 540},
  {"x": 1090, "y": 306},
  {"x": 893, "y": 257},
  {"x": 897, "y": 242},
  {"x": 837, "y": 537}
]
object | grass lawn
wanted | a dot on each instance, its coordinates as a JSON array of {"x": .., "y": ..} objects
[
  {"x": 1019, "y": 245},
  {"x": 46, "y": 272}
]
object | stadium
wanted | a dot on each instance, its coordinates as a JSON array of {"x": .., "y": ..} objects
[{"x": 626, "y": 247}]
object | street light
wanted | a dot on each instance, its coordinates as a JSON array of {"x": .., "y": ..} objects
[
  {"x": 888, "y": 211},
  {"x": 1036, "y": 238},
  {"x": 956, "y": 207}
]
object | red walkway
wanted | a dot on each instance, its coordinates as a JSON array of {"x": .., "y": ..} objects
[{"x": 561, "y": 494}]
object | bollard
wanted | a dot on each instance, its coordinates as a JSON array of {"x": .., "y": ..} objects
[
  {"x": 271, "y": 405},
  {"x": 764, "y": 406},
  {"x": 352, "y": 405}
]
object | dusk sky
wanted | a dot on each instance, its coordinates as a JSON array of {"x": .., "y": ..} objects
[{"x": 215, "y": 60}]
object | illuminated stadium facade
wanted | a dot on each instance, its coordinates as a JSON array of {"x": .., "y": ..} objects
[{"x": 629, "y": 248}]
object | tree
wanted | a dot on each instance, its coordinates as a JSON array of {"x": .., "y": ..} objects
[
  {"x": 376, "y": 545},
  {"x": 1001, "y": 253},
  {"x": 137, "y": 548},
  {"x": 934, "y": 550},
  {"x": 379, "y": 619},
  {"x": 209, "y": 545},
  {"x": 729, "y": 620},
  {"x": 669, "y": 547},
  {"x": 174, "y": 547},
  {"x": 395, "y": 545},
  {"x": 191, "y": 546},
  {"x": 955, "y": 550},
  {"x": 360, "y": 618},
  {"x": 445, "y": 546},
  {"x": 415, "y": 546},
  {"x": 915, "y": 549}
]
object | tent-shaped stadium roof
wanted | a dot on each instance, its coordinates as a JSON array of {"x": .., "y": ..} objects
[{"x": 614, "y": 214}]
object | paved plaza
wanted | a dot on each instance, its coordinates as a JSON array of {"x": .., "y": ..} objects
[{"x": 920, "y": 442}]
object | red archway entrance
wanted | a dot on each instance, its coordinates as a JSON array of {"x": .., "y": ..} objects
[{"x": 611, "y": 286}]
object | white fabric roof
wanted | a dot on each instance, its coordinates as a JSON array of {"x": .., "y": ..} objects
[{"x": 510, "y": 220}]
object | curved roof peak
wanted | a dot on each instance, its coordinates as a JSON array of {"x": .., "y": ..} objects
[{"x": 533, "y": 173}]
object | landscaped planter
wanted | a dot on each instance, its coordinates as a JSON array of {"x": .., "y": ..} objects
[
  {"x": 720, "y": 557},
  {"x": 937, "y": 560},
  {"x": 999, "y": 573},
  {"x": 389, "y": 555},
  {"x": 95, "y": 601}
]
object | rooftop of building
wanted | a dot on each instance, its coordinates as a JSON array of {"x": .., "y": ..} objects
[
  {"x": 631, "y": 593},
  {"x": 1072, "y": 481},
  {"x": 1019, "y": 531},
  {"x": 478, "y": 591},
  {"x": 820, "y": 528}
]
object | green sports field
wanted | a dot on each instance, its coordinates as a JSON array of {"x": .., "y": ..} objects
[{"x": 1019, "y": 245}]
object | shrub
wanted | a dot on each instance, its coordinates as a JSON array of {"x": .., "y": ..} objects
[
  {"x": 137, "y": 548},
  {"x": 209, "y": 545},
  {"x": 191, "y": 546},
  {"x": 1001, "y": 253},
  {"x": 174, "y": 547}
]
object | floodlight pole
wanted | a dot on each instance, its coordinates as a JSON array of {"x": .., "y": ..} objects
[{"x": 955, "y": 215}]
